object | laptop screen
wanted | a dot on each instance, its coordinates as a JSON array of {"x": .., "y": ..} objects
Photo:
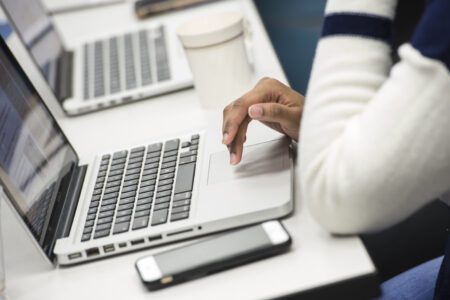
[
  {"x": 37, "y": 32},
  {"x": 34, "y": 153}
]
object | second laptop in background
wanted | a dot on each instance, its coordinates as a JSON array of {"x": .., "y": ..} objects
[{"x": 100, "y": 73}]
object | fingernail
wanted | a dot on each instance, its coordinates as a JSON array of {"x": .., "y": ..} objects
[
  {"x": 233, "y": 159},
  {"x": 255, "y": 111},
  {"x": 225, "y": 137}
]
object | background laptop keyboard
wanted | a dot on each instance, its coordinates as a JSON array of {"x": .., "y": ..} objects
[
  {"x": 136, "y": 189},
  {"x": 125, "y": 62}
]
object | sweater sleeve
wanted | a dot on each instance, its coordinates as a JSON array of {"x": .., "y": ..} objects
[{"x": 375, "y": 139}]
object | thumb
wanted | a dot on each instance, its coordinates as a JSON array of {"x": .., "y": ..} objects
[{"x": 271, "y": 112}]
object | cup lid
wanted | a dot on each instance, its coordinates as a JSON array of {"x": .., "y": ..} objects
[{"x": 209, "y": 30}]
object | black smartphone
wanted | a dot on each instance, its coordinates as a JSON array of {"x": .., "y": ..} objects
[{"x": 212, "y": 255}]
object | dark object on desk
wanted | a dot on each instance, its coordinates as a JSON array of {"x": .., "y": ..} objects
[
  {"x": 213, "y": 255},
  {"x": 146, "y": 8}
]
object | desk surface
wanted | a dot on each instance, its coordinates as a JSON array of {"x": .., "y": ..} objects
[{"x": 317, "y": 259}]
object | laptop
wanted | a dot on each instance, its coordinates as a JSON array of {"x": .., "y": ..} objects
[
  {"x": 166, "y": 190},
  {"x": 112, "y": 70}
]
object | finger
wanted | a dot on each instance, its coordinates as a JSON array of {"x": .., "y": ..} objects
[
  {"x": 233, "y": 116},
  {"x": 273, "y": 112},
  {"x": 237, "y": 146},
  {"x": 235, "y": 113}
]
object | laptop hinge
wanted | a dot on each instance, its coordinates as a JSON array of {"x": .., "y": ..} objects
[
  {"x": 71, "y": 202},
  {"x": 64, "y": 83}
]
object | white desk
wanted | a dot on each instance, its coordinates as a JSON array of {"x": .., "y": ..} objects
[{"x": 316, "y": 259}]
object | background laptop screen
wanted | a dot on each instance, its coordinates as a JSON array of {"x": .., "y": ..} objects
[
  {"x": 37, "y": 32},
  {"x": 34, "y": 154}
]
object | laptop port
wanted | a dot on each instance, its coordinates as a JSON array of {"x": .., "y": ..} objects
[
  {"x": 122, "y": 245},
  {"x": 108, "y": 248},
  {"x": 92, "y": 252},
  {"x": 137, "y": 242},
  {"x": 74, "y": 255},
  {"x": 180, "y": 232},
  {"x": 154, "y": 238}
]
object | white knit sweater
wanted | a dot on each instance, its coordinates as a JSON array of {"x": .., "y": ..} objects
[{"x": 375, "y": 138}]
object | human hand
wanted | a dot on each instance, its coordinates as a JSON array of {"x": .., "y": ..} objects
[{"x": 270, "y": 102}]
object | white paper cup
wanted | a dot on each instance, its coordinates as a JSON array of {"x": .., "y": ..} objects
[{"x": 215, "y": 48}]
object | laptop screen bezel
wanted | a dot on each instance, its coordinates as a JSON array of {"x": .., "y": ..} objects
[
  {"x": 65, "y": 173},
  {"x": 16, "y": 31}
]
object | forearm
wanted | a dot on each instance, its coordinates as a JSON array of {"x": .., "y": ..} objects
[{"x": 374, "y": 147}]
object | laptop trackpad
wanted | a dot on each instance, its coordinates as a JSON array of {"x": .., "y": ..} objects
[{"x": 257, "y": 160}]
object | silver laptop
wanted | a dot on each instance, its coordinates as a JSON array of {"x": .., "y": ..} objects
[
  {"x": 105, "y": 72},
  {"x": 127, "y": 199}
]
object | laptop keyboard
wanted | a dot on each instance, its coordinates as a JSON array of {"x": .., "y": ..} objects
[
  {"x": 125, "y": 62},
  {"x": 136, "y": 189}
]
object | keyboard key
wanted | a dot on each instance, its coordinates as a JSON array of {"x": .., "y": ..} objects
[
  {"x": 85, "y": 237},
  {"x": 138, "y": 149},
  {"x": 154, "y": 147},
  {"x": 179, "y": 209},
  {"x": 171, "y": 145},
  {"x": 162, "y": 200},
  {"x": 163, "y": 194},
  {"x": 169, "y": 164},
  {"x": 145, "y": 195},
  {"x": 180, "y": 216},
  {"x": 144, "y": 201},
  {"x": 169, "y": 170},
  {"x": 149, "y": 172},
  {"x": 188, "y": 159},
  {"x": 120, "y": 154},
  {"x": 123, "y": 219},
  {"x": 148, "y": 182},
  {"x": 94, "y": 204},
  {"x": 185, "y": 144},
  {"x": 185, "y": 178},
  {"x": 121, "y": 227},
  {"x": 181, "y": 203},
  {"x": 91, "y": 217},
  {"x": 154, "y": 155},
  {"x": 127, "y": 200},
  {"x": 165, "y": 188},
  {"x": 162, "y": 206},
  {"x": 131, "y": 182},
  {"x": 166, "y": 176},
  {"x": 146, "y": 189},
  {"x": 129, "y": 188},
  {"x": 142, "y": 213},
  {"x": 105, "y": 220},
  {"x": 116, "y": 172},
  {"x": 87, "y": 230},
  {"x": 114, "y": 74},
  {"x": 96, "y": 197},
  {"x": 125, "y": 206},
  {"x": 151, "y": 162},
  {"x": 89, "y": 223},
  {"x": 107, "y": 207},
  {"x": 123, "y": 213},
  {"x": 109, "y": 201},
  {"x": 141, "y": 222},
  {"x": 188, "y": 153},
  {"x": 143, "y": 207},
  {"x": 170, "y": 153},
  {"x": 159, "y": 217},
  {"x": 131, "y": 177},
  {"x": 128, "y": 195},
  {"x": 105, "y": 214},
  {"x": 183, "y": 196},
  {"x": 111, "y": 196},
  {"x": 194, "y": 147},
  {"x": 118, "y": 161},
  {"x": 133, "y": 171},
  {"x": 105, "y": 226},
  {"x": 195, "y": 137},
  {"x": 100, "y": 234},
  {"x": 194, "y": 142},
  {"x": 149, "y": 177}
]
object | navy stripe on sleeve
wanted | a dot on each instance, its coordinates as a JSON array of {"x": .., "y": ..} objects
[{"x": 354, "y": 24}]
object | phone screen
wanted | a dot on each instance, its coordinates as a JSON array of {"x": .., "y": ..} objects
[{"x": 213, "y": 250}]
